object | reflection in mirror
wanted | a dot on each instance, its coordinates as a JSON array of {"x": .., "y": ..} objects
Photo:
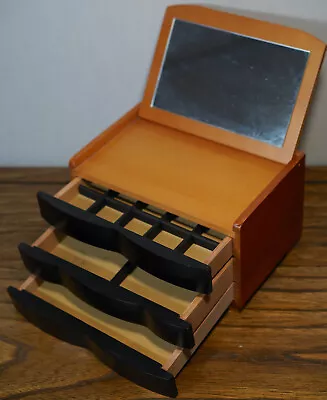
[{"x": 241, "y": 84}]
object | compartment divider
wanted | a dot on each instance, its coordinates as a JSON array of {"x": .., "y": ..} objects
[
  {"x": 137, "y": 211},
  {"x": 185, "y": 244},
  {"x": 96, "y": 206},
  {"x": 129, "y": 267},
  {"x": 123, "y": 273}
]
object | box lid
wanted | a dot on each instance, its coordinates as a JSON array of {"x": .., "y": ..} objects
[{"x": 234, "y": 80}]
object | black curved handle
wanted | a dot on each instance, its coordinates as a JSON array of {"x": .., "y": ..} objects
[
  {"x": 152, "y": 257},
  {"x": 107, "y": 297},
  {"x": 124, "y": 360}
]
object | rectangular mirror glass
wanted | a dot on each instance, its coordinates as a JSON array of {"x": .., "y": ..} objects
[{"x": 241, "y": 84}]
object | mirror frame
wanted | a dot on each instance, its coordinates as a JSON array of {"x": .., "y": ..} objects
[{"x": 248, "y": 27}]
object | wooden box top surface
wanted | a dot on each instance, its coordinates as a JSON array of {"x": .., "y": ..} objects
[{"x": 195, "y": 178}]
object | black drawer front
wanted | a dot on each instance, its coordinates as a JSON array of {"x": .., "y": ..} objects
[{"x": 124, "y": 360}]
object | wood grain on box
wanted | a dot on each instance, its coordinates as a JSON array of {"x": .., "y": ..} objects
[{"x": 267, "y": 229}]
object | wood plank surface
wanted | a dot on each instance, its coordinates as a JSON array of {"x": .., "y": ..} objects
[{"x": 276, "y": 348}]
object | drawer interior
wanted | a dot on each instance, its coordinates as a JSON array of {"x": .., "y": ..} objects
[
  {"x": 133, "y": 335},
  {"x": 108, "y": 263}
]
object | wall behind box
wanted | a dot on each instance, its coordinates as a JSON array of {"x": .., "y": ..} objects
[{"x": 70, "y": 69}]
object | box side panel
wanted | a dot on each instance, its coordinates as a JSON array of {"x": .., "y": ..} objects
[{"x": 268, "y": 229}]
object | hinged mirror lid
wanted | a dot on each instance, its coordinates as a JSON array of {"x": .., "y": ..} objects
[{"x": 234, "y": 80}]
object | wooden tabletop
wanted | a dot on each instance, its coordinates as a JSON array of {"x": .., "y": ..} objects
[{"x": 274, "y": 349}]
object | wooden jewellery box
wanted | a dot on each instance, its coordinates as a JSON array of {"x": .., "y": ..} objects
[{"x": 183, "y": 206}]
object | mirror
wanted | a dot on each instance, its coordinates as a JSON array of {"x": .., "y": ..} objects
[{"x": 240, "y": 84}]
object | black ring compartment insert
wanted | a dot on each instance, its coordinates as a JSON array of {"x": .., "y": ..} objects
[{"x": 164, "y": 263}]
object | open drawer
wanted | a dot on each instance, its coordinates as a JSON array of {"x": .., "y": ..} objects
[
  {"x": 109, "y": 282},
  {"x": 129, "y": 349}
]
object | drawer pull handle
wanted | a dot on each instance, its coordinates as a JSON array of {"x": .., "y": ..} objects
[
  {"x": 124, "y": 360},
  {"x": 160, "y": 261},
  {"x": 107, "y": 297}
]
